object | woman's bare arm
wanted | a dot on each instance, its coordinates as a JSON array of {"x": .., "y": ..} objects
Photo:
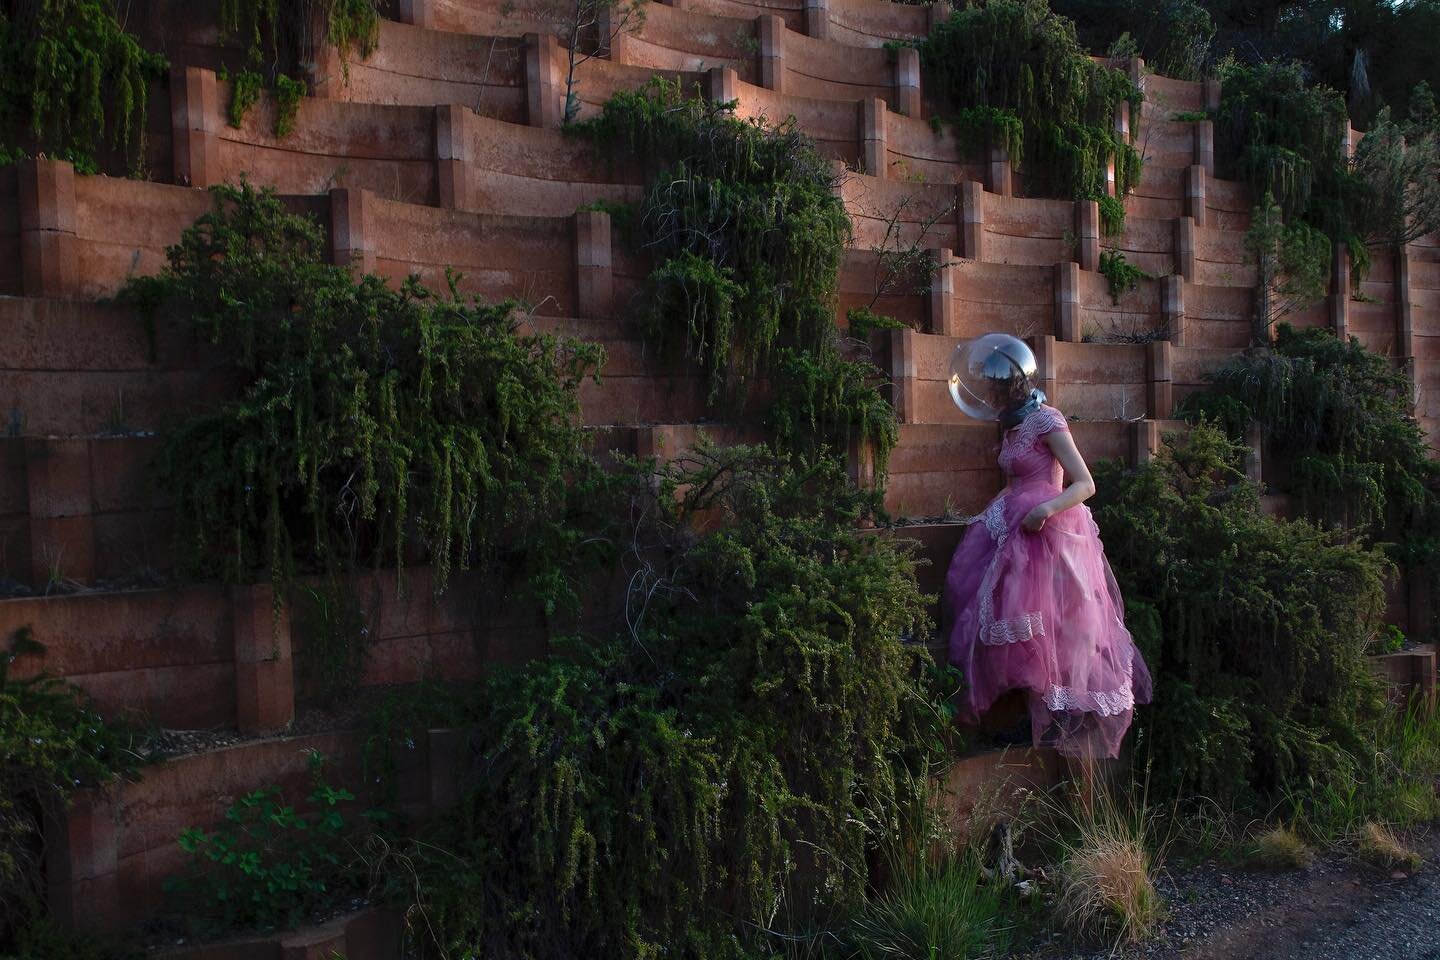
[{"x": 1081, "y": 488}]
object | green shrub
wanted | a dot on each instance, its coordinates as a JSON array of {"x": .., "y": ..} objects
[
  {"x": 268, "y": 865},
  {"x": 813, "y": 392},
  {"x": 1018, "y": 59},
  {"x": 1112, "y": 216},
  {"x": 72, "y": 83},
  {"x": 287, "y": 103},
  {"x": 1292, "y": 266},
  {"x": 1254, "y": 628},
  {"x": 1281, "y": 134},
  {"x": 746, "y": 228},
  {"x": 862, "y": 321},
  {"x": 933, "y": 907},
  {"x": 372, "y": 422},
  {"x": 245, "y": 88},
  {"x": 1121, "y": 275},
  {"x": 1339, "y": 415},
  {"x": 51, "y": 743},
  {"x": 1173, "y": 36},
  {"x": 741, "y": 746}
]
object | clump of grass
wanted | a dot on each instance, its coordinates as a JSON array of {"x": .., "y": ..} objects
[
  {"x": 1281, "y": 848},
  {"x": 936, "y": 901},
  {"x": 1106, "y": 887},
  {"x": 937, "y": 907},
  {"x": 1378, "y": 845},
  {"x": 1107, "y": 866}
]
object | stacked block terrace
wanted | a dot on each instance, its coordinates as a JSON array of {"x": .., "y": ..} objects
[{"x": 444, "y": 148}]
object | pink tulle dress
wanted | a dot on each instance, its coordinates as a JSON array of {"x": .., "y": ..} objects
[{"x": 1041, "y": 612}]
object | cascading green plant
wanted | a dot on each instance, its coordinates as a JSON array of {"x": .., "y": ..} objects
[
  {"x": 283, "y": 42},
  {"x": 747, "y": 231},
  {"x": 719, "y": 768},
  {"x": 1016, "y": 58},
  {"x": 52, "y": 742},
  {"x": 1255, "y": 629},
  {"x": 73, "y": 83},
  {"x": 372, "y": 423},
  {"x": 1339, "y": 415}
]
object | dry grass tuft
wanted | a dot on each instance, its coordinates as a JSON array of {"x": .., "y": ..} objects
[
  {"x": 1379, "y": 845},
  {"x": 1106, "y": 889},
  {"x": 1280, "y": 848}
]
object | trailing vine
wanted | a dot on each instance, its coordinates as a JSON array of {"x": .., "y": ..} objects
[
  {"x": 1287, "y": 140},
  {"x": 373, "y": 423},
  {"x": 73, "y": 83},
  {"x": 283, "y": 41},
  {"x": 980, "y": 128},
  {"x": 1015, "y": 58},
  {"x": 748, "y": 234},
  {"x": 1282, "y": 136},
  {"x": 760, "y": 718},
  {"x": 1338, "y": 415},
  {"x": 291, "y": 34}
]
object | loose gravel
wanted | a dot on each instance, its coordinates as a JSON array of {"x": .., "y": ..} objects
[{"x": 1336, "y": 909}]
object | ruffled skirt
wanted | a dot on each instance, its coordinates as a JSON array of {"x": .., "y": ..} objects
[{"x": 1041, "y": 612}]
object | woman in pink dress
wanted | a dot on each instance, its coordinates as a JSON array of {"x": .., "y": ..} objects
[{"x": 1031, "y": 600}]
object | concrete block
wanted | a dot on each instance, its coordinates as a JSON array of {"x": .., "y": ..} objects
[
  {"x": 195, "y": 119},
  {"x": 350, "y": 229},
  {"x": 770, "y": 29},
  {"x": 49, "y": 250},
  {"x": 1067, "y": 301},
  {"x": 942, "y": 294},
  {"x": 972, "y": 219},
  {"x": 594, "y": 269}
]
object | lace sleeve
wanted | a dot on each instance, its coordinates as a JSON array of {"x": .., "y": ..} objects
[
  {"x": 1048, "y": 420},
  {"x": 1042, "y": 421}
]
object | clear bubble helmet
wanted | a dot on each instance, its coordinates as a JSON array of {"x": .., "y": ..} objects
[{"x": 992, "y": 375}]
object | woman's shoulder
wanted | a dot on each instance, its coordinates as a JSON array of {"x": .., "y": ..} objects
[{"x": 1045, "y": 420}]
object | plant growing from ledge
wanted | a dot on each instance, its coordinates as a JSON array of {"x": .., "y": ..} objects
[
  {"x": 285, "y": 42},
  {"x": 1122, "y": 275},
  {"x": 906, "y": 268},
  {"x": 1016, "y": 60},
  {"x": 757, "y": 712},
  {"x": 743, "y": 221},
  {"x": 373, "y": 424},
  {"x": 73, "y": 84},
  {"x": 268, "y": 866},
  {"x": 1255, "y": 629},
  {"x": 586, "y": 29},
  {"x": 1112, "y": 215},
  {"x": 1398, "y": 167},
  {"x": 1339, "y": 415},
  {"x": 52, "y": 742},
  {"x": 1292, "y": 264},
  {"x": 862, "y": 321}
]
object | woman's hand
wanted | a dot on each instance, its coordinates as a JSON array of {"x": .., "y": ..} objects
[{"x": 1034, "y": 521}]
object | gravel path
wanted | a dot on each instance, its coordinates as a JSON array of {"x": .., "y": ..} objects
[{"x": 1335, "y": 910}]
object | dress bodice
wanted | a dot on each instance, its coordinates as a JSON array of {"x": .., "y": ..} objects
[{"x": 1024, "y": 455}]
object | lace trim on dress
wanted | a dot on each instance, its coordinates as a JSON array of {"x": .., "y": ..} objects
[
  {"x": 1106, "y": 703},
  {"x": 995, "y": 520},
  {"x": 1017, "y": 630}
]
